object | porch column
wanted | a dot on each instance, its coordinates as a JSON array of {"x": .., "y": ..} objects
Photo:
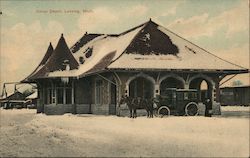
[
  {"x": 74, "y": 111},
  {"x": 216, "y": 104},
  {"x": 64, "y": 95},
  {"x": 157, "y": 90},
  {"x": 127, "y": 90},
  {"x": 186, "y": 85},
  {"x": 43, "y": 98},
  {"x": 39, "y": 101},
  {"x": 73, "y": 91}
]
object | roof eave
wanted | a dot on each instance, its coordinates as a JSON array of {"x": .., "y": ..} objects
[{"x": 227, "y": 71}]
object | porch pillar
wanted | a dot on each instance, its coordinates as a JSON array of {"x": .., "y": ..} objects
[
  {"x": 74, "y": 108},
  {"x": 73, "y": 91},
  {"x": 127, "y": 90},
  {"x": 215, "y": 98},
  {"x": 157, "y": 90},
  {"x": 186, "y": 85}
]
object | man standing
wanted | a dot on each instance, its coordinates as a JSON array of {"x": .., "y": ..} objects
[{"x": 208, "y": 111}]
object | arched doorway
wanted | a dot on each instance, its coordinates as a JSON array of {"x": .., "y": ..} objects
[
  {"x": 141, "y": 87},
  {"x": 170, "y": 82},
  {"x": 204, "y": 87}
]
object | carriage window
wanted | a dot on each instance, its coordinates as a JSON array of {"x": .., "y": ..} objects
[
  {"x": 192, "y": 95},
  {"x": 180, "y": 96},
  {"x": 98, "y": 92},
  {"x": 185, "y": 95}
]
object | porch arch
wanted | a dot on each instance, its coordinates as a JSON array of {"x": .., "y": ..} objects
[
  {"x": 205, "y": 77},
  {"x": 141, "y": 76},
  {"x": 195, "y": 83},
  {"x": 171, "y": 81}
]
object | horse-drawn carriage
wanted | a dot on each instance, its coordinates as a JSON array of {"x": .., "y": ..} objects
[
  {"x": 177, "y": 102},
  {"x": 172, "y": 101}
]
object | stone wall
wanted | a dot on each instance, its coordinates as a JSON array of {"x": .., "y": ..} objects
[
  {"x": 83, "y": 108},
  {"x": 216, "y": 108},
  {"x": 100, "y": 109}
]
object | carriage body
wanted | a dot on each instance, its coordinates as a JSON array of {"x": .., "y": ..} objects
[{"x": 178, "y": 102}]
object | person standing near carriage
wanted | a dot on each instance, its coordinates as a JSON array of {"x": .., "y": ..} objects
[{"x": 208, "y": 110}]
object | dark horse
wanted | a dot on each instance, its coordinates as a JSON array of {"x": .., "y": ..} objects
[{"x": 138, "y": 103}]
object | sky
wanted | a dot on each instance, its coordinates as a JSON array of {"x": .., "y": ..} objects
[{"x": 27, "y": 27}]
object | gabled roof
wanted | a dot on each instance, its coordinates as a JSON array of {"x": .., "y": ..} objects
[
  {"x": 42, "y": 63},
  {"x": 102, "y": 48},
  {"x": 156, "y": 47},
  {"x": 150, "y": 41},
  {"x": 47, "y": 54},
  {"x": 59, "y": 60},
  {"x": 144, "y": 47},
  {"x": 61, "y": 57}
]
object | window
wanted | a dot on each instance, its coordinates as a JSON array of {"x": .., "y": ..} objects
[
  {"x": 88, "y": 52},
  {"x": 81, "y": 60},
  {"x": 98, "y": 92},
  {"x": 50, "y": 96},
  {"x": 59, "y": 95},
  {"x": 53, "y": 96},
  {"x": 68, "y": 96}
]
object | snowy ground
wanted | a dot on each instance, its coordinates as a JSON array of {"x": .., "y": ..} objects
[{"x": 25, "y": 133}]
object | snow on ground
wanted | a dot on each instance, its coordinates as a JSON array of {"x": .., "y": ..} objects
[
  {"x": 235, "y": 108},
  {"x": 25, "y": 133}
]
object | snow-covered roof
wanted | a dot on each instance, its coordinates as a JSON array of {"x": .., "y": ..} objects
[
  {"x": 189, "y": 56},
  {"x": 147, "y": 46},
  {"x": 60, "y": 59},
  {"x": 32, "y": 96},
  {"x": 98, "y": 49}
]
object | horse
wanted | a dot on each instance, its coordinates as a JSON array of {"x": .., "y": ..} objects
[
  {"x": 146, "y": 104},
  {"x": 129, "y": 101},
  {"x": 138, "y": 103}
]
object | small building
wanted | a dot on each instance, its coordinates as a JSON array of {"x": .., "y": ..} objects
[
  {"x": 14, "y": 100},
  {"x": 93, "y": 74},
  {"x": 237, "y": 95}
]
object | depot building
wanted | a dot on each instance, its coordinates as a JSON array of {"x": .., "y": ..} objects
[{"x": 93, "y": 74}]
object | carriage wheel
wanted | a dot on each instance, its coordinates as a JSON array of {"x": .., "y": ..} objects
[
  {"x": 191, "y": 109},
  {"x": 163, "y": 111}
]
